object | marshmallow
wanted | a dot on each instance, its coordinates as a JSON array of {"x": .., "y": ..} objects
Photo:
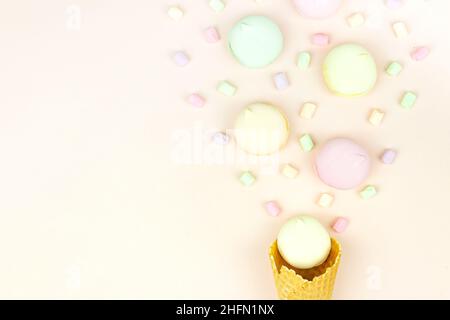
[
  {"x": 400, "y": 29},
  {"x": 272, "y": 208},
  {"x": 303, "y": 60},
  {"x": 181, "y": 59},
  {"x": 175, "y": 13},
  {"x": 340, "y": 224},
  {"x": 325, "y": 200},
  {"x": 289, "y": 171},
  {"x": 394, "y": 69},
  {"x": 306, "y": 143},
  {"x": 226, "y": 88},
  {"x": 388, "y": 156},
  {"x": 376, "y": 117},
  {"x": 368, "y": 192},
  {"x": 420, "y": 53},
  {"x": 211, "y": 35},
  {"x": 221, "y": 138},
  {"x": 320, "y": 39},
  {"x": 196, "y": 100},
  {"x": 308, "y": 110},
  {"x": 355, "y": 20},
  {"x": 217, "y": 5},
  {"x": 408, "y": 100},
  {"x": 247, "y": 178},
  {"x": 281, "y": 81}
]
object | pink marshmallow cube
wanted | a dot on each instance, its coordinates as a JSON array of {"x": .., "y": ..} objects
[
  {"x": 388, "y": 156},
  {"x": 211, "y": 35},
  {"x": 320, "y": 39},
  {"x": 420, "y": 53},
  {"x": 340, "y": 224},
  {"x": 181, "y": 59},
  {"x": 394, "y": 4},
  {"x": 272, "y": 208},
  {"x": 196, "y": 100}
]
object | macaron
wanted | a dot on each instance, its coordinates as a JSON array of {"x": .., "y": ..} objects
[
  {"x": 342, "y": 163},
  {"x": 261, "y": 129},
  {"x": 303, "y": 242},
  {"x": 255, "y": 41},
  {"x": 317, "y": 9},
  {"x": 349, "y": 70}
]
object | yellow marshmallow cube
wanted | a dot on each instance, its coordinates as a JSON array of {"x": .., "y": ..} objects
[
  {"x": 308, "y": 110},
  {"x": 175, "y": 13},
  {"x": 355, "y": 20},
  {"x": 400, "y": 29},
  {"x": 289, "y": 171},
  {"x": 325, "y": 200},
  {"x": 376, "y": 117}
]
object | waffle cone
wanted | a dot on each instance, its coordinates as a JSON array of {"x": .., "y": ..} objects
[{"x": 305, "y": 284}]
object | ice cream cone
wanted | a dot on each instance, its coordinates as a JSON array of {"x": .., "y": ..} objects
[{"x": 305, "y": 284}]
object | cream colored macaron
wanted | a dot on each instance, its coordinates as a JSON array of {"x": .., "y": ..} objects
[
  {"x": 303, "y": 242},
  {"x": 349, "y": 70},
  {"x": 261, "y": 129}
]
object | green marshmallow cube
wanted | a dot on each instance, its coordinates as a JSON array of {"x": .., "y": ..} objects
[
  {"x": 306, "y": 143},
  {"x": 368, "y": 192},
  {"x": 226, "y": 88},
  {"x": 247, "y": 178},
  {"x": 394, "y": 69},
  {"x": 303, "y": 60},
  {"x": 408, "y": 100}
]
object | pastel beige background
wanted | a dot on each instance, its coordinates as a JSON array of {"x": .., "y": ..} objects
[{"x": 96, "y": 202}]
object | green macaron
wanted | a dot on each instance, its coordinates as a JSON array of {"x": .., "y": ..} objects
[{"x": 255, "y": 41}]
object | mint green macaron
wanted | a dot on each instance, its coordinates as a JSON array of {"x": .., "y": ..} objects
[{"x": 255, "y": 41}]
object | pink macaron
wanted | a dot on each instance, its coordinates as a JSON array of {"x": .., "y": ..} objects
[
  {"x": 342, "y": 164},
  {"x": 317, "y": 9}
]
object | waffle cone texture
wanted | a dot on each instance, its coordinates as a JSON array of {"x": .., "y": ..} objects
[{"x": 305, "y": 284}]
